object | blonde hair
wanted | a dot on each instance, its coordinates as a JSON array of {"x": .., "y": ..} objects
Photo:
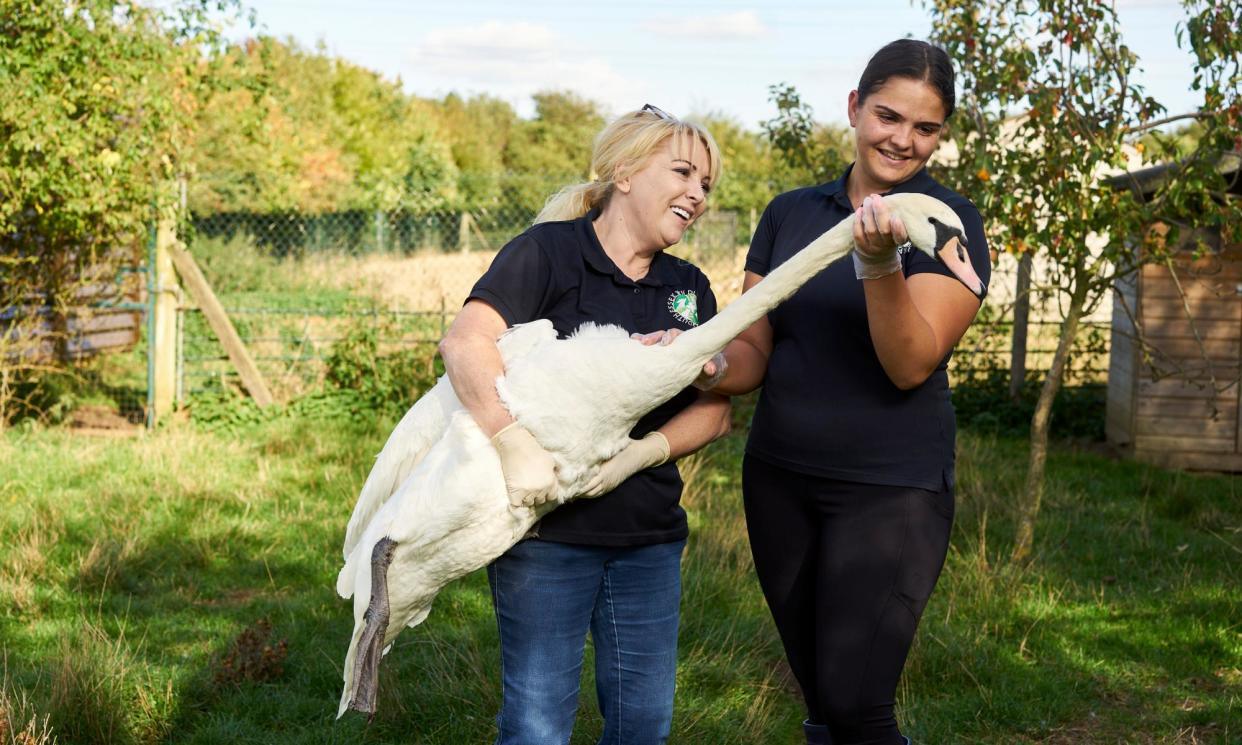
[{"x": 622, "y": 149}]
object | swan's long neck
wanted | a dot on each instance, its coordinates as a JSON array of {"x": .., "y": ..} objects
[{"x": 775, "y": 288}]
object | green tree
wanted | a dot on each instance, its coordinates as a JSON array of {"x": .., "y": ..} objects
[
  {"x": 551, "y": 150},
  {"x": 285, "y": 128},
  {"x": 96, "y": 99},
  {"x": 1063, "y": 68},
  {"x": 804, "y": 151},
  {"x": 478, "y": 130}
]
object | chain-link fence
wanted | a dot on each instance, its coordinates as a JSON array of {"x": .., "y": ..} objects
[{"x": 295, "y": 285}]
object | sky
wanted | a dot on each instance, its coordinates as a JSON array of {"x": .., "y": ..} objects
[{"x": 687, "y": 57}]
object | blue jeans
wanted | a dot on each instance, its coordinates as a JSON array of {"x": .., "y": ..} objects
[{"x": 546, "y": 596}]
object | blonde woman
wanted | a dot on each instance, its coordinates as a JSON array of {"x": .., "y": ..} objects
[{"x": 610, "y": 565}]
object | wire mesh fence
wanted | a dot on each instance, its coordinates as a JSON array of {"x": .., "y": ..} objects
[
  {"x": 311, "y": 293},
  {"x": 297, "y": 285}
]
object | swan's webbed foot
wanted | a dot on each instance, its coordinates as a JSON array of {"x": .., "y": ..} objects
[{"x": 371, "y": 643}]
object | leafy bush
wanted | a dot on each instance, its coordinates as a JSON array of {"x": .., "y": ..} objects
[
  {"x": 984, "y": 404},
  {"x": 364, "y": 378},
  {"x": 396, "y": 379}
]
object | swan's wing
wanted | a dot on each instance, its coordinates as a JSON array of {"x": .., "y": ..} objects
[
  {"x": 421, "y": 427},
  {"x": 450, "y": 517}
]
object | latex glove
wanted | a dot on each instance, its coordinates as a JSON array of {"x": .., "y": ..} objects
[
  {"x": 530, "y": 472},
  {"x": 651, "y": 450},
  {"x": 877, "y": 236},
  {"x": 712, "y": 373}
]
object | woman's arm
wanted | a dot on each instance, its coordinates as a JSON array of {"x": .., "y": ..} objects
[
  {"x": 704, "y": 420},
  {"x": 914, "y": 321},
  {"x": 473, "y": 362}
]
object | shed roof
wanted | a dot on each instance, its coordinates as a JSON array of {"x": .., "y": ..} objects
[{"x": 1147, "y": 180}]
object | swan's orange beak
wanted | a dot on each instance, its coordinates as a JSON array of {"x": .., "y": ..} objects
[{"x": 953, "y": 255}]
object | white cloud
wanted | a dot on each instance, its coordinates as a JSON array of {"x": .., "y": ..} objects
[
  {"x": 513, "y": 60},
  {"x": 740, "y": 26}
]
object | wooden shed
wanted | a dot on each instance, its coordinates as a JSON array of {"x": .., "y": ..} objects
[{"x": 1178, "y": 404}]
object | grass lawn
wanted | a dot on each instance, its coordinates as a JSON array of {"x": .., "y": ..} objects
[{"x": 178, "y": 587}]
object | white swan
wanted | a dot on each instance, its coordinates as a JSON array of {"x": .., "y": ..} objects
[{"x": 434, "y": 507}]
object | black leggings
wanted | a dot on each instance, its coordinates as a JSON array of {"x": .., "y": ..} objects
[{"x": 846, "y": 569}]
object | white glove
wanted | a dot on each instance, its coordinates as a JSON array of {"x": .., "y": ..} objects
[
  {"x": 650, "y": 451},
  {"x": 530, "y": 472}
]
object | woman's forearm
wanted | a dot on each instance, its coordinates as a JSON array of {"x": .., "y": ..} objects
[
  {"x": 904, "y": 341},
  {"x": 704, "y": 420},
  {"x": 473, "y": 363}
]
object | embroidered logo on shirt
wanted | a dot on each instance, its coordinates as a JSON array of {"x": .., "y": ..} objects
[{"x": 684, "y": 304}]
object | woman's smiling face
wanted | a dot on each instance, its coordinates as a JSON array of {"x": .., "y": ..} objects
[
  {"x": 670, "y": 191},
  {"x": 897, "y": 128}
]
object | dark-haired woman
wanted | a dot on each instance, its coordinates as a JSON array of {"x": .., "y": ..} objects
[{"x": 848, "y": 474}]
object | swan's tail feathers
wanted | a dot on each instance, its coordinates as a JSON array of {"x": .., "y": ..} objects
[{"x": 362, "y": 681}]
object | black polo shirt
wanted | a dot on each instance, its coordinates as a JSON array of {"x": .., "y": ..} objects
[
  {"x": 827, "y": 406},
  {"x": 559, "y": 271}
]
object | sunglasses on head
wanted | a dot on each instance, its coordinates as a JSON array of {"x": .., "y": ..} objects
[{"x": 659, "y": 112}]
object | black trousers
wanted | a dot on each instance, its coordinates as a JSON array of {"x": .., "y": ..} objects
[{"x": 846, "y": 569}]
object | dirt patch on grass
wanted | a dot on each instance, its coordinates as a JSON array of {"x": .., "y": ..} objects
[{"x": 102, "y": 420}]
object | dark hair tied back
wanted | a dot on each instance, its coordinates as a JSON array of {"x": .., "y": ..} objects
[{"x": 910, "y": 58}]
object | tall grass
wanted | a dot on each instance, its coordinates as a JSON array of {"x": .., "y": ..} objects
[{"x": 131, "y": 571}]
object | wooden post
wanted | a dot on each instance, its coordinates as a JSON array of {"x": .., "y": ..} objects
[
  {"x": 463, "y": 232},
  {"x": 1021, "y": 319},
  {"x": 164, "y": 336},
  {"x": 219, "y": 321},
  {"x": 478, "y": 233}
]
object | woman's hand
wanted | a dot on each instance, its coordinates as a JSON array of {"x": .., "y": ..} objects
[
  {"x": 648, "y": 452},
  {"x": 713, "y": 370},
  {"x": 877, "y": 235}
]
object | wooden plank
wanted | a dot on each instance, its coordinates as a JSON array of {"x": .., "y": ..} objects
[
  {"x": 1227, "y": 462},
  {"x": 1202, "y": 309},
  {"x": 1181, "y": 328},
  {"x": 1176, "y": 443},
  {"x": 1201, "y": 288},
  {"x": 219, "y": 321},
  {"x": 100, "y": 322},
  {"x": 1193, "y": 428},
  {"x": 1181, "y": 347},
  {"x": 1170, "y": 388},
  {"x": 1194, "y": 370},
  {"x": 1225, "y": 406},
  {"x": 87, "y": 345}
]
